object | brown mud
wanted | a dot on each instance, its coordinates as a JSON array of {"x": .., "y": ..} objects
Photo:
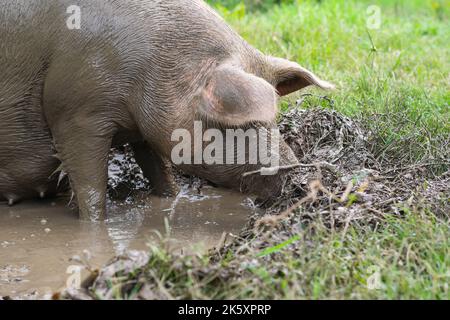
[{"x": 39, "y": 241}]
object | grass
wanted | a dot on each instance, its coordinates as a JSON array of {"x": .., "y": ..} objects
[
  {"x": 399, "y": 76},
  {"x": 412, "y": 257},
  {"x": 403, "y": 66}
]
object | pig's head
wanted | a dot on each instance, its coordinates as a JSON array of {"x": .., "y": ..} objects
[{"x": 245, "y": 99}]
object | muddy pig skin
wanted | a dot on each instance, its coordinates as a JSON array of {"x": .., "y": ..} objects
[{"x": 133, "y": 72}]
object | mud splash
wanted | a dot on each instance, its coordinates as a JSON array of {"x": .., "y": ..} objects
[{"x": 39, "y": 240}]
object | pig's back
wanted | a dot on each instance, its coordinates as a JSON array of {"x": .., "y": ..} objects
[{"x": 167, "y": 40}]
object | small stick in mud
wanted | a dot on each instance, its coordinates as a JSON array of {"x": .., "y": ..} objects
[{"x": 274, "y": 170}]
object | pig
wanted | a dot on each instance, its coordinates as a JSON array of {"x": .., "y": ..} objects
[{"x": 80, "y": 76}]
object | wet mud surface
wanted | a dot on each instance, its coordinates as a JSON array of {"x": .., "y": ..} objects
[{"x": 40, "y": 240}]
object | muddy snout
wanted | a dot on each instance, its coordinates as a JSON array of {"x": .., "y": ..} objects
[
  {"x": 267, "y": 182},
  {"x": 253, "y": 161}
]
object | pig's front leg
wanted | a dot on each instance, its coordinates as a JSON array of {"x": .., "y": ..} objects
[
  {"x": 156, "y": 169},
  {"x": 83, "y": 152}
]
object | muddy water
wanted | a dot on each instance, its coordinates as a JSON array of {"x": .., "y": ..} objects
[{"x": 38, "y": 240}]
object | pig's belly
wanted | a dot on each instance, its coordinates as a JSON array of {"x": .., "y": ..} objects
[
  {"x": 27, "y": 156},
  {"x": 28, "y": 171}
]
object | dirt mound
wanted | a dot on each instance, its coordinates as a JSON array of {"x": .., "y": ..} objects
[
  {"x": 340, "y": 182},
  {"x": 340, "y": 176}
]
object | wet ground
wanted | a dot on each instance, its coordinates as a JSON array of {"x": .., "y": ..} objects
[{"x": 39, "y": 239}]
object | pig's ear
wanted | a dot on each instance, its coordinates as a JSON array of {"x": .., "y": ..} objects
[
  {"x": 234, "y": 97},
  {"x": 289, "y": 77}
]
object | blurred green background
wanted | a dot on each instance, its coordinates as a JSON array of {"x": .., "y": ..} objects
[{"x": 401, "y": 67}]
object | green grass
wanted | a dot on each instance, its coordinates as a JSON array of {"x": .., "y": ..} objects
[
  {"x": 412, "y": 257},
  {"x": 401, "y": 69}
]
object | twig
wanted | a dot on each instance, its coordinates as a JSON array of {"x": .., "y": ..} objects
[{"x": 274, "y": 170}]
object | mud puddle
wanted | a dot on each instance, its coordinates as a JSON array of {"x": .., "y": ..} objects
[{"x": 39, "y": 239}]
